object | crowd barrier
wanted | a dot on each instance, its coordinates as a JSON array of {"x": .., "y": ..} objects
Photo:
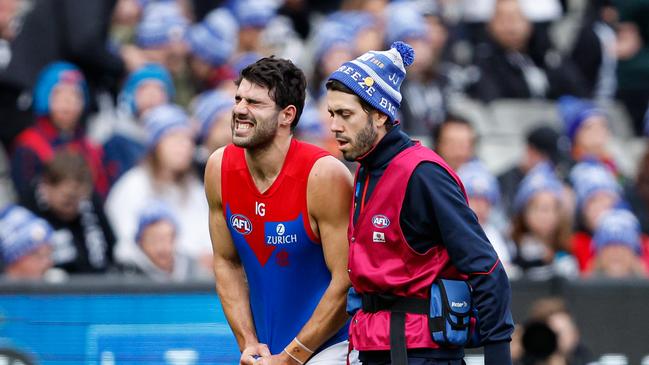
[{"x": 113, "y": 321}]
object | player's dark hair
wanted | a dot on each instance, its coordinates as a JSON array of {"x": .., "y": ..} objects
[
  {"x": 285, "y": 82},
  {"x": 335, "y": 85}
]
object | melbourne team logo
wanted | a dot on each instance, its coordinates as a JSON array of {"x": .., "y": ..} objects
[
  {"x": 380, "y": 221},
  {"x": 241, "y": 224},
  {"x": 282, "y": 258}
]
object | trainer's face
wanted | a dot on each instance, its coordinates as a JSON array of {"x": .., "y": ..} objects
[
  {"x": 354, "y": 128},
  {"x": 254, "y": 116}
]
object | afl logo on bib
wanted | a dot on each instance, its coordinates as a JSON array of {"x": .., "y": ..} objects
[
  {"x": 241, "y": 224},
  {"x": 380, "y": 221}
]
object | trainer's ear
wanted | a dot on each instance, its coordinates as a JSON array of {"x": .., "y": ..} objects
[
  {"x": 379, "y": 119},
  {"x": 287, "y": 115}
]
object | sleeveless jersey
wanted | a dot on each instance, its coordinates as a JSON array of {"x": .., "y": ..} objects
[{"x": 282, "y": 258}]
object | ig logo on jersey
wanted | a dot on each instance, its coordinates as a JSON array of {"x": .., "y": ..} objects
[
  {"x": 380, "y": 221},
  {"x": 241, "y": 224}
]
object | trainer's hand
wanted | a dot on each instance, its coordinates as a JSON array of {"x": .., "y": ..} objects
[
  {"x": 280, "y": 359},
  {"x": 252, "y": 352}
]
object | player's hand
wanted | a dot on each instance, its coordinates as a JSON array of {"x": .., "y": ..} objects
[
  {"x": 280, "y": 359},
  {"x": 252, "y": 353}
]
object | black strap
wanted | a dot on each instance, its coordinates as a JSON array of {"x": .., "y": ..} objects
[
  {"x": 398, "y": 307},
  {"x": 398, "y": 349},
  {"x": 372, "y": 303}
]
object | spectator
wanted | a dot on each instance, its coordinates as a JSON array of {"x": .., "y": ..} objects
[
  {"x": 165, "y": 174},
  {"x": 279, "y": 38},
  {"x": 367, "y": 28},
  {"x": 587, "y": 127},
  {"x": 455, "y": 140},
  {"x": 638, "y": 193},
  {"x": 7, "y": 194},
  {"x": 83, "y": 241},
  {"x": 425, "y": 89},
  {"x": 61, "y": 30},
  {"x": 482, "y": 190},
  {"x": 126, "y": 17},
  {"x": 540, "y": 345},
  {"x": 594, "y": 51},
  {"x": 570, "y": 348},
  {"x": 619, "y": 246},
  {"x": 161, "y": 35},
  {"x": 161, "y": 32},
  {"x": 253, "y": 16},
  {"x": 510, "y": 68},
  {"x": 597, "y": 191},
  {"x": 299, "y": 13},
  {"x": 25, "y": 244},
  {"x": 542, "y": 147},
  {"x": 540, "y": 227},
  {"x": 633, "y": 58},
  {"x": 206, "y": 58},
  {"x": 60, "y": 98},
  {"x": 8, "y": 25},
  {"x": 8, "y": 12},
  {"x": 333, "y": 39},
  {"x": 156, "y": 236},
  {"x": 147, "y": 87},
  {"x": 212, "y": 111}
]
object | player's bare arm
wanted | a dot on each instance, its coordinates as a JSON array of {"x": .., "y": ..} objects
[
  {"x": 230, "y": 277},
  {"x": 329, "y": 196}
]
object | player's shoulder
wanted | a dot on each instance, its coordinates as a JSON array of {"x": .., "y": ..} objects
[
  {"x": 328, "y": 172},
  {"x": 215, "y": 160},
  {"x": 212, "y": 179}
]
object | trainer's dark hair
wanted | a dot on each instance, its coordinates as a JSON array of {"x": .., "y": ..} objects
[
  {"x": 335, "y": 85},
  {"x": 285, "y": 82}
]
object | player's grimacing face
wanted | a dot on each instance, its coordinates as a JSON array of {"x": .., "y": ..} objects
[
  {"x": 254, "y": 116},
  {"x": 351, "y": 125}
]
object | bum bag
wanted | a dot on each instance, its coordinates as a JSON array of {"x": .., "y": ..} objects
[{"x": 452, "y": 318}]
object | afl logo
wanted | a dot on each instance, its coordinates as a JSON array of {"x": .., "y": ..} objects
[
  {"x": 241, "y": 224},
  {"x": 380, "y": 221}
]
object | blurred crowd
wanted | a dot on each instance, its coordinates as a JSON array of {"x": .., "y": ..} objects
[{"x": 109, "y": 110}]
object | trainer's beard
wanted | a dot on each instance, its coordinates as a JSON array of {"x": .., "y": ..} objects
[{"x": 363, "y": 142}]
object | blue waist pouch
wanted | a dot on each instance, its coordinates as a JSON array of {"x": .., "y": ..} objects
[{"x": 452, "y": 319}]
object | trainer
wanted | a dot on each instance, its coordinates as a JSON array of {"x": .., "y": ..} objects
[{"x": 419, "y": 260}]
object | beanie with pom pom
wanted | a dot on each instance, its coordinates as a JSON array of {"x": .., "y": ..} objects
[{"x": 376, "y": 77}]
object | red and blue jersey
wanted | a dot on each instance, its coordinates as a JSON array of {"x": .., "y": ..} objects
[{"x": 282, "y": 257}]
